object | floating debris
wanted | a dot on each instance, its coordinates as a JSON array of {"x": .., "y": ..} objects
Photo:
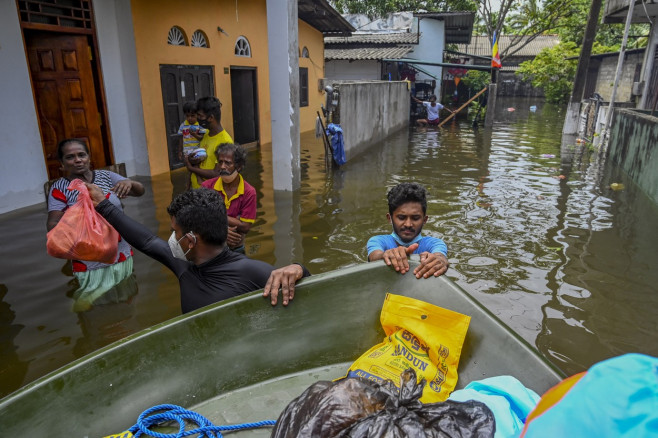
[
  {"x": 533, "y": 108},
  {"x": 511, "y": 109},
  {"x": 548, "y": 156},
  {"x": 617, "y": 186}
]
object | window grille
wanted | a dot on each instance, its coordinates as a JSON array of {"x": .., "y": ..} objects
[
  {"x": 176, "y": 37},
  {"x": 199, "y": 39},
  {"x": 64, "y": 13},
  {"x": 242, "y": 47}
]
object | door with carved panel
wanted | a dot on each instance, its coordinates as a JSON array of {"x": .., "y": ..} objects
[{"x": 65, "y": 95}]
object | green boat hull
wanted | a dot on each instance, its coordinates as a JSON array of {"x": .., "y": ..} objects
[{"x": 242, "y": 360}]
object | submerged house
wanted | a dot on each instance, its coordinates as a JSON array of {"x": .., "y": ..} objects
[
  {"x": 117, "y": 73},
  {"x": 385, "y": 49},
  {"x": 631, "y": 129},
  {"x": 361, "y": 56},
  {"x": 645, "y": 84}
]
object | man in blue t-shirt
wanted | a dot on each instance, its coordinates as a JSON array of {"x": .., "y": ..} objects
[{"x": 407, "y": 208}]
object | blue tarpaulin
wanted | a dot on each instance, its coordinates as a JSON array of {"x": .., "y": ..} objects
[{"x": 337, "y": 143}]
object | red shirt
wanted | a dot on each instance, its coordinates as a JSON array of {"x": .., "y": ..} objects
[{"x": 242, "y": 205}]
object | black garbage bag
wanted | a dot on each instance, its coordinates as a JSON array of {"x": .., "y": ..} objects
[{"x": 360, "y": 408}]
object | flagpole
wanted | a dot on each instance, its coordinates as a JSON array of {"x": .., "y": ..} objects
[
  {"x": 495, "y": 59},
  {"x": 493, "y": 91}
]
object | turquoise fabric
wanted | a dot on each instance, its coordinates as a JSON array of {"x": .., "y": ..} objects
[
  {"x": 615, "y": 398},
  {"x": 509, "y": 400}
]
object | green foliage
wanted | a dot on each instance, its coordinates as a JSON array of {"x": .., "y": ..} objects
[
  {"x": 572, "y": 28},
  {"x": 380, "y": 8},
  {"x": 551, "y": 71},
  {"x": 476, "y": 80},
  {"x": 523, "y": 19}
]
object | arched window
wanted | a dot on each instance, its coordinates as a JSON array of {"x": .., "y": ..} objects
[
  {"x": 305, "y": 52},
  {"x": 242, "y": 47},
  {"x": 176, "y": 37},
  {"x": 199, "y": 39}
]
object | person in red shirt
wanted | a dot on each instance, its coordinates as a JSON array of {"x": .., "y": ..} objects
[{"x": 239, "y": 196}]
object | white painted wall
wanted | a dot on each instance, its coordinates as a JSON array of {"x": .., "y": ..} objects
[
  {"x": 118, "y": 57},
  {"x": 283, "y": 55},
  {"x": 430, "y": 47},
  {"x": 356, "y": 70},
  {"x": 22, "y": 167}
]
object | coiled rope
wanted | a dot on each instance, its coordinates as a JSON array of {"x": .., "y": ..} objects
[{"x": 157, "y": 415}]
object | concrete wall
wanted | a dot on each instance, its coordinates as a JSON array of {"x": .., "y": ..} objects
[
  {"x": 633, "y": 145},
  {"x": 511, "y": 85},
  {"x": 371, "y": 111},
  {"x": 341, "y": 69},
  {"x": 116, "y": 45},
  {"x": 606, "y": 78},
  {"x": 22, "y": 169}
]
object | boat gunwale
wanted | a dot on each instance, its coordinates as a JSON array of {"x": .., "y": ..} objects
[{"x": 187, "y": 322}]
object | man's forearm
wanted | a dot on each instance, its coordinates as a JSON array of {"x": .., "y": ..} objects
[
  {"x": 135, "y": 233},
  {"x": 204, "y": 173},
  {"x": 376, "y": 255}
]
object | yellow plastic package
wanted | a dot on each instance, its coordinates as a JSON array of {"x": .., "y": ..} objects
[{"x": 421, "y": 336}]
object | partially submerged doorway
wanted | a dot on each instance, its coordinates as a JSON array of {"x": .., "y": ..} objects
[
  {"x": 60, "y": 43},
  {"x": 244, "y": 97},
  {"x": 180, "y": 84}
]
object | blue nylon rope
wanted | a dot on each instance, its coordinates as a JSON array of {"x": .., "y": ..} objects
[{"x": 205, "y": 429}]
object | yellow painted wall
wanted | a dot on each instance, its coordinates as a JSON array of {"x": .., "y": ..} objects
[
  {"x": 313, "y": 40},
  {"x": 152, "y": 20}
]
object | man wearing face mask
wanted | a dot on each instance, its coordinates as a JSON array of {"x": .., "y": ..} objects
[
  {"x": 197, "y": 254},
  {"x": 239, "y": 196},
  {"x": 209, "y": 116}
]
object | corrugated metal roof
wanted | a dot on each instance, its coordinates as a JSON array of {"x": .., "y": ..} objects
[
  {"x": 322, "y": 16},
  {"x": 481, "y": 46},
  {"x": 458, "y": 25},
  {"x": 376, "y": 53},
  {"x": 375, "y": 38}
]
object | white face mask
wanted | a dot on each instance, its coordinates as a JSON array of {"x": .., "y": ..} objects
[
  {"x": 175, "y": 247},
  {"x": 228, "y": 179}
]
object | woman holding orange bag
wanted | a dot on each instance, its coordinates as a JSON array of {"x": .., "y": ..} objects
[{"x": 95, "y": 278}]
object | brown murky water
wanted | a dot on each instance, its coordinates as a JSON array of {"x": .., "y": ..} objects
[{"x": 533, "y": 229}]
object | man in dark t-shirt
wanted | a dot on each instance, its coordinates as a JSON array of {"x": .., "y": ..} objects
[{"x": 197, "y": 254}]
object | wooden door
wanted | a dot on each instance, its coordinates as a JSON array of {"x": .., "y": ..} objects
[
  {"x": 65, "y": 95},
  {"x": 245, "y": 106},
  {"x": 182, "y": 83}
]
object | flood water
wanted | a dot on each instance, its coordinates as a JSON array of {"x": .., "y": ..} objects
[{"x": 534, "y": 232}]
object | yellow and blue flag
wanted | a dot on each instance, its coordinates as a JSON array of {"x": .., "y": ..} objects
[{"x": 495, "y": 54}]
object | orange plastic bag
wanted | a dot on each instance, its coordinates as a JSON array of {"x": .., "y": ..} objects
[{"x": 82, "y": 233}]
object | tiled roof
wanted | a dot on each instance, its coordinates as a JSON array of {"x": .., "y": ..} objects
[
  {"x": 375, "y": 38},
  {"x": 480, "y": 45},
  {"x": 356, "y": 53}
]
